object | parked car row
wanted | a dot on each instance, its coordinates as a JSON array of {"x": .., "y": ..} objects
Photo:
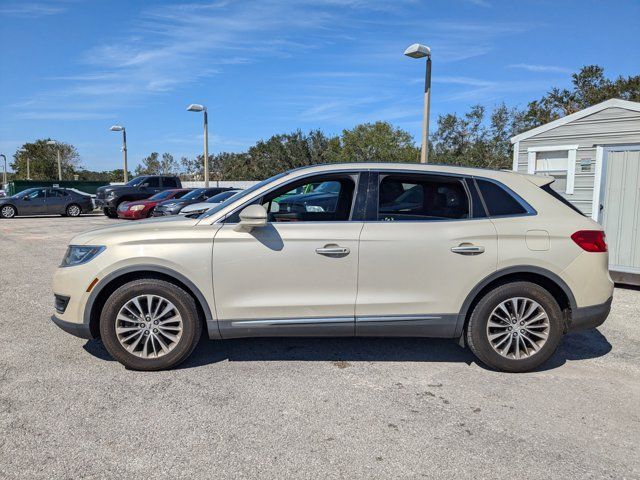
[{"x": 152, "y": 196}]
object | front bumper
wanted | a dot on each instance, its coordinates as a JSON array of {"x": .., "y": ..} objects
[
  {"x": 589, "y": 317},
  {"x": 80, "y": 330},
  {"x": 129, "y": 215}
]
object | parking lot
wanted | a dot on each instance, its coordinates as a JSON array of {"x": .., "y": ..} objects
[{"x": 301, "y": 408}]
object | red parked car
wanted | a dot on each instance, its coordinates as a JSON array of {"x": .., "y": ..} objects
[{"x": 144, "y": 208}]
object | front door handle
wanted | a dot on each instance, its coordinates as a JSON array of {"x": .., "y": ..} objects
[
  {"x": 468, "y": 249},
  {"x": 333, "y": 250}
]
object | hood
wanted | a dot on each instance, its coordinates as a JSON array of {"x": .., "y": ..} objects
[
  {"x": 128, "y": 232},
  {"x": 177, "y": 201}
]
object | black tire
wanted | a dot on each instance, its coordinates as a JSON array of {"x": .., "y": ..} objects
[
  {"x": 150, "y": 212},
  {"x": 478, "y": 335},
  {"x": 110, "y": 212},
  {"x": 184, "y": 304},
  {"x": 73, "y": 210},
  {"x": 8, "y": 211}
]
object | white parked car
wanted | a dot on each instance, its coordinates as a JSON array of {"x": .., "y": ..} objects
[
  {"x": 496, "y": 260},
  {"x": 202, "y": 207}
]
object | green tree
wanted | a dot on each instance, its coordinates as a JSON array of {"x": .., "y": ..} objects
[
  {"x": 377, "y": 142},
  {"x": 475, "y": 139},
  {"x": 589, "y": 87},
  {"x": 168, "y": 165},
  {"x": 150, "y": 165},
  {"x": 43, "y": 162}
]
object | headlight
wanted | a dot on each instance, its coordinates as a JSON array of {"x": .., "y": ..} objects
[
  {"x": 136, "y": 208},
  {"x": 79, "y": 254},
  {"x": 169, "y": 205},
  {"x": 314, "y": 208},
  {"x": 111, "y": 194},
  {"x": 194, "y": 212}
]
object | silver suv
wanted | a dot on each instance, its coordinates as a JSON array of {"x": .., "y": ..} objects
[{"x": 496, "y": 260}]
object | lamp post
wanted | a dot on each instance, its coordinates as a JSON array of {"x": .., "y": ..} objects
[
  {"x": 4, "y": 172},
  {"x": 52, "y": 142},
  {"x": 194, "y": 107},
  {"x": 420, "y": 51},
  {"x": 120, "y": 128},
  {"x": 22, "y": 150}
]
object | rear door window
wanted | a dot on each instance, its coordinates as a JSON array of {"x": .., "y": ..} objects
[
  {"x": 169, "y": 182},
  {"x": 417, "y": 197}
]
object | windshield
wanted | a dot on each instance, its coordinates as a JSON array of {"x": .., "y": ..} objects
[
  {"x": 242, "y": 194},
  {"x": 221, "y": 197},
  {"x": 135, "y": 181},
  {"x": 194, "y": 194},
  {"x": 328, "y": 187},
  {"x": 23, "y": 192},
  {"x": 162, "y": 195}
]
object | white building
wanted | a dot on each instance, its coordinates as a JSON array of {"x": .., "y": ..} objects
[{"x": 594, "y": 154}]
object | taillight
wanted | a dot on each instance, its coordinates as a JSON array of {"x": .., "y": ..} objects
[{"x": 590, "y": 240}]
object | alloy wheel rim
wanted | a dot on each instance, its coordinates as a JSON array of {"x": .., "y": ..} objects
[
  {"x": 8, "y": 212},
  {"x": 74, "y": 211},
  {"x": 518, "y": 328},
  {"x": 149, "y": 326}
]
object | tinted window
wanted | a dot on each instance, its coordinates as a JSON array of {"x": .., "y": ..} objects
[
  {"x": 194, "y": 194},
  {"x": 152, "y": 182},
  {"x": 169, "y": 182},
  {"x": 498, "y": 200},
  {"x": 221, "y": 197},
  {"x": 162, "y": 195},
  {"x": 39, "y": 193},
  {"x": 56, "y": 193},
  {"x": 421, "y": 198}
]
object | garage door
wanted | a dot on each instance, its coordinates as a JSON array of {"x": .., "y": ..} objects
[{"x": 621, "y": 213}]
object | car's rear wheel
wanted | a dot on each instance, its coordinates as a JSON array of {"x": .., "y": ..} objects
[
  {"x": 515, "y": 327},
  {"x": 150, "y": 324},
  {"x": 8, "y": 211},
  {"x": 73, "y": 210}
]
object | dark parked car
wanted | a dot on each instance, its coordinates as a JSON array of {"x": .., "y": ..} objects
[
  {"x": 109, "y": 197},
  {"x": 144, "y": 208},
  {"x": 46, "y": 201},
  {"x": 173, "y": 207},
  {"x": 322, "y": 199}
]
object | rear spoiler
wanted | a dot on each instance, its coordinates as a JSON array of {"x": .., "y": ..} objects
[{"x": 539, "y": 180}]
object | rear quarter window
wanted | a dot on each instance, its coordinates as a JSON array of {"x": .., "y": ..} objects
[{"x": 498, "y": 200}]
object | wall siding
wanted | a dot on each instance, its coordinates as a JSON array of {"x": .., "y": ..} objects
[{"x": 612, "y": 126}]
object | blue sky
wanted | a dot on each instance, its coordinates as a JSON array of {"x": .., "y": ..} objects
[{"x": 70, "y": 68}]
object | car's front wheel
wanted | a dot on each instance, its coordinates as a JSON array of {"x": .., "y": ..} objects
[
  {"x": 515, "y": 327},
  {"x": 110, "y": 212},
  {"x": 150, "y": 324},
  {"x": 7, "y": 211}
]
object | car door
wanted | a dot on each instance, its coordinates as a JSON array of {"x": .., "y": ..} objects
[
  {"x": 33, "y": 202},
  {"x": 56, "y": 200},
  {"x": 297, "y": 275},
  {"x": 425, "y": 247}
]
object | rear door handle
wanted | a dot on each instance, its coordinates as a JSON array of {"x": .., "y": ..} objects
[
  {"x": 468, "y": 249},
  {"x": 333, "y": 250}
]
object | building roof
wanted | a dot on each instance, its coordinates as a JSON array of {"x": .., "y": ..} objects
[{"x": 614, "y": 102}]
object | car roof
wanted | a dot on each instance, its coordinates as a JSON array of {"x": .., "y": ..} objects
[{"x": 501, "y": 175}]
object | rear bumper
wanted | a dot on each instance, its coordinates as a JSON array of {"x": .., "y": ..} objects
[
  {"x": 589, "y": 317},
  {"x": 80, "y": 330}
]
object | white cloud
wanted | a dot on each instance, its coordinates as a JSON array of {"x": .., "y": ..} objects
[
  {"x": 541, "y": 68},
  {"x": 31, "y": 10}
]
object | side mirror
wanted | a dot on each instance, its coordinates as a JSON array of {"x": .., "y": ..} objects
[
  {"x": 27, "y": 198},
  {"x": 251, "y": 217}
]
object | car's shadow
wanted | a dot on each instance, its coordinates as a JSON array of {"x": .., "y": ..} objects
[{"x": 574, "y": 346}]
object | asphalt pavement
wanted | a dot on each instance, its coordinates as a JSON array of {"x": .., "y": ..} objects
[{"x": 301, "y": 408}]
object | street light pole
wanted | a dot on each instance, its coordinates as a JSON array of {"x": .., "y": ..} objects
[
  {"x": 59, "y": 156},
  {"x": 194, "y": 107},
  {"x": 22, "y": 150},
  {"x": 4, "y": 172},
  {"x": 420, "y": 51},
  {"x": 119, "y": 128}
]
